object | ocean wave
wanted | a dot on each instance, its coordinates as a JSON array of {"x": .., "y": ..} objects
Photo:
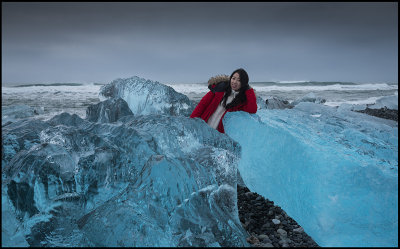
[
  {"x": 51, "y": 89},
  {"x": 368, "y": 101},
  {"x": 292, "y": 81},
  {"x": 51, "y": 84},
  {"x": 332, "y": 87},
  {"x": 293, "y": 86}
]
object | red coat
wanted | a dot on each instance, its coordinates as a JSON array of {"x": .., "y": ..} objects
[{"x": 209, "y": 103}]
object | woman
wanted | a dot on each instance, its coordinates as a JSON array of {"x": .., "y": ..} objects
[{"x": 226, "y": 95}]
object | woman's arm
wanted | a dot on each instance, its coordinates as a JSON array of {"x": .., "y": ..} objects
[{"x": 204, "y": 102}]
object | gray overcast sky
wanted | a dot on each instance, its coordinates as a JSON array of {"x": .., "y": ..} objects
[{"x": 190, "y": 42}]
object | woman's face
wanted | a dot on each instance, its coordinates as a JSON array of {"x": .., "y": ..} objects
[{"x": 235, "y": 82}]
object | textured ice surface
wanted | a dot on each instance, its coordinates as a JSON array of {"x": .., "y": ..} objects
[
  {"x": 145, "y": 180},
  {"x": 146, "y": 96},
  {"x": 391, "y": 102},
  {"x": 15, "y": 112},
  {"x": 108, "y": 111},
  {"x": 277, "y": 103},
  {"x": 334, "y": 171},
  {"x": 310, "y": 97}
]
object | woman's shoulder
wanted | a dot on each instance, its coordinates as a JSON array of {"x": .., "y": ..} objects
[
  {"x": 218, "y": 83},
  {"x": 250, "y": 90}
]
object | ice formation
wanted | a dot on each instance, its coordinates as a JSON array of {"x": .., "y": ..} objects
[
  {"x": 108, "y": 111},
  {"x": 390, "y": 102},
  {"x": 334, "y": 171},
  {"x": 310, "y": 97},
  {"x": 72, "y": 182},
  {"x": 146, "y": 96},
  {"x": 277, "y": 103},
  {"x": 15, "y": 112}
]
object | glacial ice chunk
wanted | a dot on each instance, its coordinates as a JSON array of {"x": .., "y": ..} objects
[
  {"x": 11, "y": 229},
  {"x": 310, "y": 97},
  {"x": 108, "y": 111},
  {"x": 20, "y": 135},
  {"x": 16, "y": 112},
  {"x": 277, "y": 103},
  {"x": 121, "y": 184},
  {"x": 147, "y": 97},
  {"x": 390, "y": 102},
  {"x": 334, "y": 171},
  {"x": 260, "y": 103},
  {"x": 352, "y": 107}
]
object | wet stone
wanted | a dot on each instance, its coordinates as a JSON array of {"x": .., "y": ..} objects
[{"x": 276, "y": 222}]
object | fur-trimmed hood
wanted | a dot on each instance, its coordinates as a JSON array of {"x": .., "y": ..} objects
[
  {"x": 218, "y": 83},
  {"x": 218, "y": 79}
]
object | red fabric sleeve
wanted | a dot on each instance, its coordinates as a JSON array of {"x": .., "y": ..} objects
[
  {"x": 204, "y": 102},
  {"x": 251, "y": 105}
]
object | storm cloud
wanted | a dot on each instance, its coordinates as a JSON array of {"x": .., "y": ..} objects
[{"x": 190, "y": 42}]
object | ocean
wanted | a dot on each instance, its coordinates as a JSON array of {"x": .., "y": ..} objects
[{"x": 74, "y": 98}]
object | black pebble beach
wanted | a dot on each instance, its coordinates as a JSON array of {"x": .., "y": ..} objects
[
  {"x": 267, "y": 224},
  {"x": 382, "y": 113}
]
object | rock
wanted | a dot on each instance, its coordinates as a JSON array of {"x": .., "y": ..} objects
[
  {"x": 276, "y": 222},
  {"x": 284, "y": 241},
  {"x": 298, "y": 230},
  {"x": 246, "y": 224},
  {"x": 249, "y": 195},
  {"x": 262, "y": 236},
  {"x": 268, "y": 245},
  {"x": 282, "y": 232},
  {"x": 278, "y": 210},
  {"x": 252, "y": 240},
  {"x": 258, "y": 244},
  {"x": 265, "y": 226}
]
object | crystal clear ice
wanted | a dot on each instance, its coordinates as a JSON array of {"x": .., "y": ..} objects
[{"x": 334, "y": 171}]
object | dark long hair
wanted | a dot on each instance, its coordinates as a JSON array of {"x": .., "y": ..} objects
[{"x": 241, "y": 97}]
